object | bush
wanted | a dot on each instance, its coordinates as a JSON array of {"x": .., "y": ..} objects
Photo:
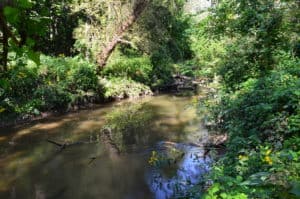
[
  {"x": 55, "y": 84},
  {"x": 162, "y": 70},
  {"x": 120, "y": 88},
  {"x": 83, "y": 78},
  {"x": 21, "y": 83},
  {"x": 262, "y": 118},
  {"x": 265, "y": 104},
  {"x": 53, "y": 97},
  {"x": 138, "y": 69},
  {"x": 209, "y": 52}
]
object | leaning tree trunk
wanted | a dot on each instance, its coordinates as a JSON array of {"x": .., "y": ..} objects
[{"x": 103, "y": 56}]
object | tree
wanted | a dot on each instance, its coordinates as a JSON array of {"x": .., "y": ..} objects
[
  {"x": 5, "y": 34},
  {"x": 138, "y": 7},
  {"x": 22, "y": 25}
]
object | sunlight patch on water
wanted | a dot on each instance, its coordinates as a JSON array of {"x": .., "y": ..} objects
[{"x": 3, "y": 138}]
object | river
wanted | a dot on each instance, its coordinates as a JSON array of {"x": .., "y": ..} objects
[{"x": 150, "y": 152}]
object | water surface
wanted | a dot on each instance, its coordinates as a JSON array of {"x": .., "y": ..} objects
[{"x": 31, "y": 167}]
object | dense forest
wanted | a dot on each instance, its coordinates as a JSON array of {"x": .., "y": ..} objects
[{"x": 62, "y": 55}]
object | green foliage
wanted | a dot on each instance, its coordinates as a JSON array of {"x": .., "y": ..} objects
[
  {"x": 162, "y": 70},
  {"x": 267, "y": 104},
  {"x": 120, "y": 88},
  {"x": 208, "y": 52},
  {"x": 137, "y": 68},
  {"x": 262, "y": 119},
  {"x": 83, "y": 78},
  {"x": 257, "y": 100},
  {"x": 56, "y": 84},
  {"x": 52, "y": 98},
  {"x": 166, "y": 39},
  {"x": 71, "y": 73}
]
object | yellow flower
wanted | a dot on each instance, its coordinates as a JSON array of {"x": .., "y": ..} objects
[
  {"x": 268, "y": 152},
  {"x": 243, "y": 157},
  {"x": 2, "y": 109},
  {"x": 268, "y": 160},
  {"x": 21, "y": 75},
  {"x": 153, "y": 159}
]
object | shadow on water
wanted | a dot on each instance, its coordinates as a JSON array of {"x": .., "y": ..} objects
[{"x": 31, "y": 167}]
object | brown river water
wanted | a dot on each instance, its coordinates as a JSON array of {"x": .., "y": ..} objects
[{"x": 33, "y": 168}]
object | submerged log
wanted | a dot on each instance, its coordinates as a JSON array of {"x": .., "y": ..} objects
[{"x": 113, "y": 149}]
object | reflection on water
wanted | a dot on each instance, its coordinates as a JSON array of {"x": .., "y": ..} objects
[
  {"x": 189, "y": 172},
  {"x": 31, "y": 167}
]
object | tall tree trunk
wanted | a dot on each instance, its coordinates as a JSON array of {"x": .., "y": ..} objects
[
  {"x": 6, "y": 33},
  {"x": 4, "y": 41},
  {"x": 103, "y": 56}
]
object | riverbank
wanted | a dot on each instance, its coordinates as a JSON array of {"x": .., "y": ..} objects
[
  {"x": 127, "y": 90},
  {"x": 85, "y": 105}
]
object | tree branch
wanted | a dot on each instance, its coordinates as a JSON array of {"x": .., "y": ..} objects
[{"x": 103, "y": 56}]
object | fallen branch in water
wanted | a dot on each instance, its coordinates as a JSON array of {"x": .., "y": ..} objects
[
  {"x": 64, "y": 145},
  {"x": 92, "y": 159}
]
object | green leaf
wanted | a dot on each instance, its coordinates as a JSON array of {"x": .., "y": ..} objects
[
  {"x": 11, "y": 14},
  {"x": 36, "y": 111},
  {"x": 257, "y": 179},
  {"x": 34, "y": 56},
  {"x": 295, "y": 188},
  {"x": 25, "y": 4},
  {"x": 4, "y": 83}
]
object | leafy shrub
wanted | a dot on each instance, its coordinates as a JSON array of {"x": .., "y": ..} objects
[
  {"x": 53, "y": 85},
  {"x": 162, "y": 70},
  {"x": 262, "y": 119},
  {"x": 137, "y": 68},
  {"x": 83, "y": 78},
  {"x": 265, "y": 104},
  {"x": 119, "y": 88},
  {"x": 22, "y": 82},
  {"x": 53, "y": 97},
  {"x": 208, "y": 52},
  {"x": 185, "y": 68}
]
